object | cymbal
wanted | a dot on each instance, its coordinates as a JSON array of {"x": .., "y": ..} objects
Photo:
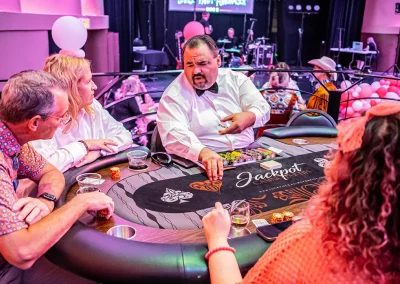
[
  {"x": 263, "y": 38},
  {"x": 223, "y": 41}
]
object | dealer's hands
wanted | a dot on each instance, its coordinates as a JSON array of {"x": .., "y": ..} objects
[
  {"x": 216, "y": 226},
  {"x": 90, "y": 157},
  {"x": 95, "y": 201},
  {"x": 212, "y": 163},
  {"x": 240, "y": 121},
  {"x": 101, "y": 144},
  {"x": 32, "y": 209}
]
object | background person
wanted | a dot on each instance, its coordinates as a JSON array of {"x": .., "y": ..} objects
[
  {"x": 205, "y": 16},
  {"x": 33, "y": 105},
  {"x": 92, "y": 132},
  {"x": 350, "y": 233},
  {"x": 320, "y": 98}
]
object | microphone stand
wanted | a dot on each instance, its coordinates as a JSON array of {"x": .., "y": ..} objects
[
  {"x": 165, "y": 46},
  {"x": 340, "y": 44}
]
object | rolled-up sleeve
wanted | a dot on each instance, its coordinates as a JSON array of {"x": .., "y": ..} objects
[
  {"x": 252, "y": 100},
  {"x": 173, "y": 126}
]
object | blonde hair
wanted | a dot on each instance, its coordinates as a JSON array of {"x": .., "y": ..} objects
[{"x": 69, "y": 69}]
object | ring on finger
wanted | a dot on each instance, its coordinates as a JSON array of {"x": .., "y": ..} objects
[{"x": 105, "y": 143}]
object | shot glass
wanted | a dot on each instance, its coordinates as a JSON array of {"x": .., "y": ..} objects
[{"x": 137, "y": 160}]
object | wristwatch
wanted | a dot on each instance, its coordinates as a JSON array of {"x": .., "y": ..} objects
[{"x": 49, "y": 197}]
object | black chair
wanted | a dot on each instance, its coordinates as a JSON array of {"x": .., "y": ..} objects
[
  {"x": 303, "y": 118},
  {"x": 156, "y": 143},
  {"x": 304, "y": 125}
]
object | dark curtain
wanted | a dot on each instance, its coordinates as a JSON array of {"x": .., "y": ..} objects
[
  {"x": 314, "y": 30},
  {"x": 346, "y": 14},
  {"x": 121, "y": 20}
]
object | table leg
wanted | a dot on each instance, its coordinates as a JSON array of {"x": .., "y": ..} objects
[{"x": 352, "y": 60}]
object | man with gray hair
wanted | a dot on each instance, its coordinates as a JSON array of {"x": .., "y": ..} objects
[
  {"x": 33, "y": 105},
  {"x": 207, "y": 110}
]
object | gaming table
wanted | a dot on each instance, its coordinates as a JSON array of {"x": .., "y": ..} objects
[{"x": 165, "y": 206}]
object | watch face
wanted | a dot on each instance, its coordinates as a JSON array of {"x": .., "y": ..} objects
[{"x": 48, "y": 196}]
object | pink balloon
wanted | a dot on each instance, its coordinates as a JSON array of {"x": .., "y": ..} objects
[
  {"x": 355, "y": 95},
  {"x": 356, "y": 114},
  {"x": 358, "y": 89},
  {"x": 366, "y": 91},
  {"x": 193, "y": 29},
  {"x": 381, "y": 92},
  {"x": 357, "y": 105},
  {"x": 375, "y": 101},
  {"x": 393, "y": 89},
  {"x": 349, "y": 112},
  {"x": 345, "y": 84},
  {"x": 366, "y": 106}
]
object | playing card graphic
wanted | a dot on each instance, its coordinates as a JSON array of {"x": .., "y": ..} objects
[
  {"x": 174, "y": 195},
  {"x": 322, "y": 162}
]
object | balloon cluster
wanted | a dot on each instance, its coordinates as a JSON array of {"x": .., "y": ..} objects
[
  {"x": 69, "y": 34},
  {"x": 363, "y": 96}
]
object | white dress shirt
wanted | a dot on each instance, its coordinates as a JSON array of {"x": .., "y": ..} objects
[
  {"x": 64, "y": 151},
  {"x": 187, "y": 122}
]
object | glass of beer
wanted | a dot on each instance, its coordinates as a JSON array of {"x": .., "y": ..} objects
[{"x": 240, "y": 215}]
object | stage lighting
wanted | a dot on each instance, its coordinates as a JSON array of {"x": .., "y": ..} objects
[
  {"x": 290, "y": 7},
  {"x": 316, "y": 8},
  {"x": 308, "y": 7},
  {"x": 298, "y": 7}
]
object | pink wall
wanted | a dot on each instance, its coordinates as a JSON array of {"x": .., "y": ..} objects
[
  {"x": 70, "y": 7},
  {"x": 10, "y": 5},
  {"x": 92, "y": 7},
  {"x": 383, "y": 24},
  {"x": 24, "y": 27},
  {"x": 380, "y": 18}
]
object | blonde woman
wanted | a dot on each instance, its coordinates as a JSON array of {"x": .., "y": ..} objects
[{"x": 90, "y": 132}]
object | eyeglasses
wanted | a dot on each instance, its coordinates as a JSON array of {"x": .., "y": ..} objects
[{"x": 66, "y": 118}]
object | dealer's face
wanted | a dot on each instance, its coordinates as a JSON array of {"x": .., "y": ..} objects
[{"x": 201, "y": 66}]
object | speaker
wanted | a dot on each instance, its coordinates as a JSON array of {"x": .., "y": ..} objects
[{"x": 397, "y": 9}]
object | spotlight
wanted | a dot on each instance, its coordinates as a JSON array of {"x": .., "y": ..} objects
[
  {"x": 316, "y": 8},
  {"x": 290, "y": 7},
  {"x": 308, "y": 7},
  {"x": 298, "y": 7}
]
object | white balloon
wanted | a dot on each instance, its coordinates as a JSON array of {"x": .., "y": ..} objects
[
  {"x": 357, "y": 105},
  {"x": 80, "y": 53},
  {"x": 375, "y": 86},
  {"x": 358, "y": 89},
  {"x": 69, "y": 33},
  {"x": 391, "y": 95}
]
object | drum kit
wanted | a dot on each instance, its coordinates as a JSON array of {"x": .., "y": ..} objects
[{"x": 258, "y": 53}]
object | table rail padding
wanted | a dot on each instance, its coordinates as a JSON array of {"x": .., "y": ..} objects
[{"x": 106, "y": 259}]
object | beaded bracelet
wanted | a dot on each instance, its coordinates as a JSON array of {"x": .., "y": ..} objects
[
  {"x": 84, "y": 144},
  {"x": 210, "y": 252}
]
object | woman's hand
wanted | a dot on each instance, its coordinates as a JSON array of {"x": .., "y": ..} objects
[
  {"x": 216, "y": 226},
  {"x": 101, "y": 144},
  {"x": 90, "y": 157}
]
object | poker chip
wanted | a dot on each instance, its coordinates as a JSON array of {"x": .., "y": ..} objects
[{"x": 300, "y": 141}]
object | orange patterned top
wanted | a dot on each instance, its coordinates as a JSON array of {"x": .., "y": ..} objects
[
  {"x": 297, "y": 257},
  {"x": 320, "y": 98}
]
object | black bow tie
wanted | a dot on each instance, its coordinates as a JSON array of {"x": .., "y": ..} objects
[{"x": 213, "y": 89}]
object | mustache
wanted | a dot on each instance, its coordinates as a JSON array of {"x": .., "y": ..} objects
[{"x": 198, "y": 76}]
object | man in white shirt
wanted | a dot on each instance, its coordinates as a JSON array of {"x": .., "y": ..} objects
[{"x": 207, "y": 110}]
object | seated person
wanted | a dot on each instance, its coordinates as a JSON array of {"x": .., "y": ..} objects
[
  {"x": 207, "y": 110},
  {"x": 34, "y": 104},
  {"x": 234, "y": 42},
  {"x": 92, "y": 131},
  {"x": 320, "y": 98},
  {"x": 350, "y": 233},
  {"x": 371, "y": 46},
  {"x": 133, "y": 107},
  {"x": 282, "y": 93}
]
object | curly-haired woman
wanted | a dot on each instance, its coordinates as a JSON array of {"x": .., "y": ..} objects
[{"x": 351, "y": 231}]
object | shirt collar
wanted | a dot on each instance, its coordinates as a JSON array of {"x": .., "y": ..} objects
[
  {"x": 190, "y": 88},
  {"x": 8, "y": 143}
]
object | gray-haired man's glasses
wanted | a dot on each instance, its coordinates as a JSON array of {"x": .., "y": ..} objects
[{"x": 66, "y": 118}]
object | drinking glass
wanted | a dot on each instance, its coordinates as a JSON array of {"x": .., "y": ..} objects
[{"x": 240, "y": 215}]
